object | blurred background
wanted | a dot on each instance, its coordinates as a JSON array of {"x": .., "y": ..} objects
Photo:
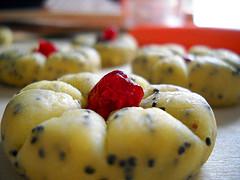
[{"x": 56, "y": 16}]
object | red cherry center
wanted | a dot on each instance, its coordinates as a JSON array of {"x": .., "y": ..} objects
[
  {"x": 114, "y": 91},
  {"x": 110, "y": 33},
  {"x": 45, "y": 47}
]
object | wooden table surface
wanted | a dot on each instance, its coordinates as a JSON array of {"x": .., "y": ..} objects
[{"x": 223, "y": 164}]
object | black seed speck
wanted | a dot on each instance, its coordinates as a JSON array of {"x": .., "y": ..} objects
[
  {"x": 197, "y": 65},
  {"x": 79, "y": 102},
  {"x": 38, "y": 98},
  {"x": 220, "y": 96},
  {"x": 151, "y": 163},
  {"x": 115, "y": 116},
  {"x": 187, "y": 113},
  {"x": 189, "y": 177},
  {"x": 181, "y": 150},
  {"x": 41, "y": 153},
  {"x": 236, "y": 72},
  {"x": 13, "y": 152},
  {"x": 16, "y": 164},
  {"x": 208, "y": 141},
  {"x": 128, "y": 177},
  {"x": 163, "y": 108},
  {"x": 122, "y": 163},
  {"x": 134, "y": 80},
  {"x": 33, "y": 140},
  {"x": 187, "y": 59},
  {"x": 88, "y": 111},
  {"x": 62, "y": 155},
  {"x": 170, "y": 70},
  {"x": 208, "y": 107},
  {"x": 86, "y": 116},
  {"x": 187, "y": 144},
  {"x": 154, "y": 104},
  {"x": 38, "y": 129},
  {"x": 111, "y": 159},
  {"x": 17, "y": 109},
  {"x": 89, "y": 170},
  {"x": 132, "y": 161},
  {"x": 154, "y": 98},
  {"x": 155, "y": 90}
]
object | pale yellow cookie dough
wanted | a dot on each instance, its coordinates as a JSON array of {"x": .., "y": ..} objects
[
  {"x": 74, "y": 143},
  {"x": 26, "y": 110},
  {"x": 215, "y": 80},
  {"x": 57, "y": 86},
  {"x": 84, "y": 82},
  {"x": 160, "y": 66},
  {"x": 61, "y": 63},
  {"x": 170, "y": 136},
  {"x": 115, "y": 52},
  {"x": 6, "y": 36},
  {"x": 213, "y": 73},
  {"x": 19, "y": 69}
]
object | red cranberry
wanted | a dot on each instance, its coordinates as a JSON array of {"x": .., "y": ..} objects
[
  {"x": 45, "y": 47},
  {"x": 114, "y": 91},
  {"x": 110, "y": 33}
]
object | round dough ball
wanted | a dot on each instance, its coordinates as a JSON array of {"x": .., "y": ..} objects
[
  {"x": 6, "y": 36},
  {"x": 200, "y": 50},
  {"x": 171, "y": 138},
  {"x": 62, "y": 63},
  {"x": 57, "y": 86},
  {"x": 82, "y": 81},
  {"x": 223, "y": 54},
  {"x": 155, "y": 49},
  {"x": 176, "y": 49},
  {"x": 113, "y": 52},
  {"x": 86, "y": 39},
  {"x": 120, "y": 51},
  {"x": 228, "y": 57},
  {"x": 73, "y": 143},
  {"x": 215, "y": 80},
  {"x": 165, "y": 69},
  {"x": 18, "y": 69},
  {"x": 170, "y": 70},
  {"x": 92, "y": 55},
  {"x": 153, "y": 144},
  {"x": 26, "y": 110},
  {"x": 165, "y": 49},
  {"x": 163, "y": 88},
  {"x": 190, "y": 108}
]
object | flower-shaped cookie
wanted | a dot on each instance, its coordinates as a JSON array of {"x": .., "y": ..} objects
[
  {"x": 213, "y": 73},
  {"x": 114, "y": 48},
  {"x": 168, "y": 133},
  {"x": 45, "y": 62}
]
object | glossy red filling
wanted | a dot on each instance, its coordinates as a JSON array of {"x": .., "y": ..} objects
[
  {"x": 110, "y": 33},
  {"x": 45, "y": 47},
  {"x": 114, "y": 91}
]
